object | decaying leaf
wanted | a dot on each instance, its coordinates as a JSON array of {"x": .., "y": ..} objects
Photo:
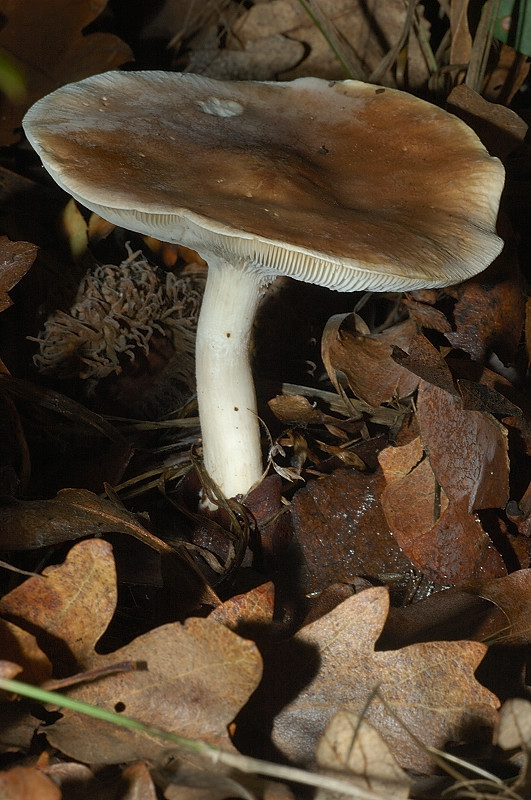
[
  {"x": 331, "y": 664},
  {"x": 335, "y": 545}
]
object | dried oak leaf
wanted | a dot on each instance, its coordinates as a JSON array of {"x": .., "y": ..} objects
[
  {"x": 69, "y": 607},
  {"x": 331, "y": 664},
  {"x": 44, "y": 38},
  {"x": 352, "y": 746},
  {"x": 198, "y": 675},
  {"x": 512, "y": 597},
  {"x": 15, "y": 260},
  {"x": 255, "y": 607}
]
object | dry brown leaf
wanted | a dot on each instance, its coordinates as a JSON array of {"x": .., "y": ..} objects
[
  {"x": 434, "y": 484},
  {"x": 72, "y": 514},
  {"x": 15, "y": 260},
  {"x": 426, "y": 361},
  {"x": 513, "y": 732},
  {"x": 70, "y": 606},
  {"x": 350, "y": 745},
  {"x": 198, "y": 675},
  {"x": 335, "y": 545},
  {"x": 138, "y": 782},
  {"x": 512, "y": 596},
  {"x": 500, "y": 128},
  {"x": 255, "y": 607},
  {"x": 461, "y": 39},
  {"x": 260, "y": 60},
  {"x": 366, "y": 359},
  {"x": 21, "y": 647},
  {"x": 490, "y": 311},
  {"x": 332, "y": 665},
  {"x": 45, "y": 39},
  {"x": 467, "y": 450},
  {"x": 27, "y": 783}
]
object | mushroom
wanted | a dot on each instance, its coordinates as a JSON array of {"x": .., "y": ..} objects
[{"x": 343, "y": 184}]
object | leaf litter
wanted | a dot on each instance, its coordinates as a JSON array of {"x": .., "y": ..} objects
[{"x": 376, "y": 615}]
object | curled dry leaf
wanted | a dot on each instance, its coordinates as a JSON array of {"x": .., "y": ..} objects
[
  {"x": 331, "y": 664},
  {"x": 349, "y": 744},
  {"x": 366, "y": 359}
]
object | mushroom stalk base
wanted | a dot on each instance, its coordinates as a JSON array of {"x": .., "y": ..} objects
[{"x": 226, "y": 396}]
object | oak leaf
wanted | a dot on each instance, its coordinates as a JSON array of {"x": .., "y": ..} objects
[
  {"x": 420, "y": 696},
  {"x": 196, "y": 678}
]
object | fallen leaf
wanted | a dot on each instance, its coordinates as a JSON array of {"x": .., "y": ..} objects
[
  {"x": 335, "y": 546},
  {"x": 490, "y": 311},
  {"x": 198, "y": 675},
  {"x": 444, "y": 540},
  {"x": 350, "y": 745},
  {"x": 253, "y": 608},
  {"x": 21, "y": 647},
  {"x": 500, "y": 128},
  {"x": 44, "y": 38},
  {"x": 27, "y": 783},
  {"x": 15, "y": 260},
  {"x": 512, "y": 596},
  {"x": 72, "y": 514},
  {"x": 467, "y": 450},
  {"x": 427, "y": 690},
  {"x": 69, "y": 606},
  {"x": 366, "y": 359},
  {"x": 513, "y": 732}
]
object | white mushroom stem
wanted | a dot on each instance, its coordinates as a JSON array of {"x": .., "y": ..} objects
[{"x": 226, "y": 396}]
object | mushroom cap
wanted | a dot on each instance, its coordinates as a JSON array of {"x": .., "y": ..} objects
[{"x": 343, "y": 184}]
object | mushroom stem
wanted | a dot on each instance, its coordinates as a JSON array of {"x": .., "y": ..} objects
[{"x": 226, "y": 396}]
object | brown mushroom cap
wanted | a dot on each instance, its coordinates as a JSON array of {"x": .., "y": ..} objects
[{"x": 345, "y": 184}]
